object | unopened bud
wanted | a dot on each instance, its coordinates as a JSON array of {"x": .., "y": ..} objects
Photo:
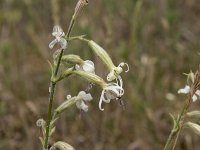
[
  {"x": 62, "y": 146},
  {"x": 72, "y": 59},
  {"x": 102, "y": 54}
]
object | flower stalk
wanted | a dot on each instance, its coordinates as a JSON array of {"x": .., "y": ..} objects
[
  {"x": 53, "y": 85},
  {"x": 193, "y": 95}
]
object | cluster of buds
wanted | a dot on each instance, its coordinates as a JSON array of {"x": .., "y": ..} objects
[{"x": 112, "y": 89}]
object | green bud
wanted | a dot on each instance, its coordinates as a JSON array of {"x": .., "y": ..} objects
[
  {"x": 66, "y": 104},
  {"x": 72, "y": 59},
  {"x": 195, "y": 127},
  {"x": 61, "y": 146},
  {"x": 91, "y": 77},
  {"x": 102, "y": 54},
  {"x": 193, "y": 114}
]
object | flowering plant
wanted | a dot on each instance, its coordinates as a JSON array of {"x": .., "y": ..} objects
[{"x": 112, "y": 89}]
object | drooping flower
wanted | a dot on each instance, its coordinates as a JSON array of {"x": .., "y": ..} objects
[
  {"x": 110, "y": 92},
  {"x": 87, "y": 66},
  {"x": 58, "y": 34},
  {"x": 104, "y": 56},
  {"x": 83, "y": 97}
]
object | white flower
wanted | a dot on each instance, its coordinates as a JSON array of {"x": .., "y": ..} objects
[
  {"x": 58, "y": 34},
  {"x": 87, "y": 66},
  {"x": 184, "y": 90},
  {"x": 196, "y": 96},
  {"x": 83, "y": 97},
  {"x": 110, "y": 91},
  {"x": 187, "y": 89},
  {"x": 114, "y": 73}
]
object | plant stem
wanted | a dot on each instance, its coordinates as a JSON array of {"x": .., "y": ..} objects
[
  {"x": 52, "y": 88},
  {"x": 178, "y": 126}
]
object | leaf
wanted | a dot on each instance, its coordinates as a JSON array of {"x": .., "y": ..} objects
[
  {"x": 51, "y": 66},
  {"x": 174, "y": 120},
  {"x": 42, "y": 141},
  {"x": 52, "y": 131},
  {"x": 61, "y": 146}
]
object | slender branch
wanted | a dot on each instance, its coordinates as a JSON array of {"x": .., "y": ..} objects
[{"x": 52, "y": 87}]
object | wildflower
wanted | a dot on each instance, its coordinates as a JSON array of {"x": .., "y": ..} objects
[
  {"x": 187, "y": 89},
  {"x": 87, "y": 66},
  {"x": 184, "y": 90},
  {"x": 104, "y": 56},
  {"x": 83, "y": 97},
  {"x": 58, "y": 34},
  {"x": 110, "y": 91}
]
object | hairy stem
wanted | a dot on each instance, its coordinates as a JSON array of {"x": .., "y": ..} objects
[{"x": 52, "y": 88}]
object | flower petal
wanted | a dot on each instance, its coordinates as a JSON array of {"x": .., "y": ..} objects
[
  {"x": 194, "y": 98},
  {"x": 51, "y": 45},
  {"x": 88, "y": 66},
  {"x": 101, "y": 100},
  {"x": 197, "y": 92},
  {"x": 81, "y": 105},
  {"x": 111, "y": 76},
  {"x": 185, "y": 90},
  {"x": 63, "y": 43},
  {"x": 84, "y": 96}
]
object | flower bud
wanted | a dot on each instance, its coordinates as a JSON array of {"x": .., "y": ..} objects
[
  {"x": 90, "y": 77},
  {"x": 72, "y": 59},
  {"x": 195, "y": 127},
  {"x": 61, "y": 146},
  {"x": 66, "y": 104},
  {"x": 102, "y": 54}
]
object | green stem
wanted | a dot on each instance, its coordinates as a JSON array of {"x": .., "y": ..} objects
[
  {"x": 52, "y": 88},
  {"x": 177, "y": 127}
]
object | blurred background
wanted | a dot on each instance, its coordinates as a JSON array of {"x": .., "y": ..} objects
[{"x": 159, "y": 39}]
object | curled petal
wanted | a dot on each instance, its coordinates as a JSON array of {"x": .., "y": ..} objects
[
  {"x": 124, "y": 64},
  {"x": 51, "y": 45},
  {"x": 101, "y": 100},
  {"x": 119, "y": 81}
]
